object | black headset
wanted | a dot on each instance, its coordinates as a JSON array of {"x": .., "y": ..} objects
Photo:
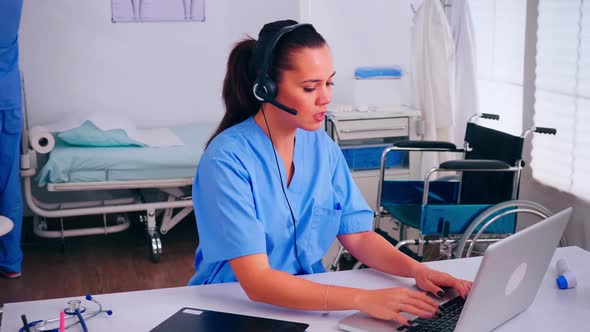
[{"x": 265, "y": 89}]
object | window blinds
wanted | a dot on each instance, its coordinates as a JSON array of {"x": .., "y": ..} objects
[{"x": 562, "y": 96}]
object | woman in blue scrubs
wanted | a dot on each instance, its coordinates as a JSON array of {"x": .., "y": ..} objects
[{"x": 273, "y": 191}]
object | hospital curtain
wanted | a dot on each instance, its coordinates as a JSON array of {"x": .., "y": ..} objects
[{"x": 562, "y": 96}]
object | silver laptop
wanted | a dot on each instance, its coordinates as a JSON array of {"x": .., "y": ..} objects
[{"x": 508, "y": 279}]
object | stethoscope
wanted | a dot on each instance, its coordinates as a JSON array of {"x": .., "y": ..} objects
[{"x": 74, "y": 310}]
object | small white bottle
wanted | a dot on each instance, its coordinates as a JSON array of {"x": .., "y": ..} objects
[{"x": 566, "y": 278}]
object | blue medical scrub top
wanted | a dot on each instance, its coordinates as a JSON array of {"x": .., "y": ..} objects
[
  {"x": 10, "y": 13},
  {"x": 241, "y": 210}
]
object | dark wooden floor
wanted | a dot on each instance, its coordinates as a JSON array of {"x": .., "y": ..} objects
[{"x": 100, "y": 264}]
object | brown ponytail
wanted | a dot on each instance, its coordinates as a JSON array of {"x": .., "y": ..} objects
[{"x": 238, "y": 98}]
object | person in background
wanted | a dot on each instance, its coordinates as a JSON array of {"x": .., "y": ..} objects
[
  {"x": 273, "y": 191},
  {"x": 11, "y": 205}
]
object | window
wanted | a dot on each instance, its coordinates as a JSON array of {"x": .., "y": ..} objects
[
  {"x": 499, "y": 32},
  {"x": 562, "y": 96}
]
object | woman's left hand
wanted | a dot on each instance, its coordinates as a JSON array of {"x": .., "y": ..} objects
[{"x": 431, "y": 281}]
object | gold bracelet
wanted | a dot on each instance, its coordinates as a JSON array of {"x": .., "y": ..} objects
[{"x": 326, "y": 301}]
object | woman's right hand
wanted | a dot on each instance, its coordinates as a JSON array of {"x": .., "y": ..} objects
[{"x": 389, "y": 303}]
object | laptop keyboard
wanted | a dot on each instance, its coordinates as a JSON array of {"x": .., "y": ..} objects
[{"x": 450, "y": 315}]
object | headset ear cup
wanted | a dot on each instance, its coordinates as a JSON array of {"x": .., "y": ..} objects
[
  {"x": 270, "y": 87},
  {"x": 265, "y": 90},
  {"x": 258, "y": 91}
]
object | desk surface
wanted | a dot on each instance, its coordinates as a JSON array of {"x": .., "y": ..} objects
[{"x": 552, "y": 310}]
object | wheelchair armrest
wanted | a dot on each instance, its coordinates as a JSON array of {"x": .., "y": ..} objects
[
  {"x": 474, "y": 164},
  {"x": 426, "y": 146}
]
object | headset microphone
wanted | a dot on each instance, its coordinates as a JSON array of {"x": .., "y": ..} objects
[
  {"x": 283, "y": 107},
  {"x": 265, "y": 98}
]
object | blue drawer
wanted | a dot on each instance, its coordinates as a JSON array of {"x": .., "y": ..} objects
[{"x": 364, "y": 158}]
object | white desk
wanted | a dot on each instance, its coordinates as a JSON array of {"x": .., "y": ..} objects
[{"x": 552, "y": 310}]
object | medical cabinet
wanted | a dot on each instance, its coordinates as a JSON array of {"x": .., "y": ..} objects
[{"x": 363, "y": 132}]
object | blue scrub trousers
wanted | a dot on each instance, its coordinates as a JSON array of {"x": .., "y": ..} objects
[{"x": 11, "y": 203}]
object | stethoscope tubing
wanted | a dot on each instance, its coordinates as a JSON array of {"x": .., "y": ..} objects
[{"x": 82, "y": 315}]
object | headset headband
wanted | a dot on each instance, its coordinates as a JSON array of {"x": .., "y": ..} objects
[{"x": 268, "y": 51}]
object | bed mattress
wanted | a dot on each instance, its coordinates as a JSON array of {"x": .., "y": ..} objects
[{"x": 67, "y": 163}]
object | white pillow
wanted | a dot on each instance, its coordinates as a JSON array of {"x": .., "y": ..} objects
[{"x": 102, "y": 120}]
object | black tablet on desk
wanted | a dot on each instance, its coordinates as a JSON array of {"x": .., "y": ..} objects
[{"x": 198, "y": 320}]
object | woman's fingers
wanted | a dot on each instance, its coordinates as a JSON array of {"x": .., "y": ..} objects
[
  {"x": 392, "y": 302},
  {"x": 461, "y": 287},
  {"x": 424, "y": 307},
  {"x": 464, "y": 287},
  {"x": 433, "y": 280},
  {"x": 430, "y": 287},
  {"x": 401, "y": 319},
  {"x": 410, "y": 309},
  {"x": 423, "y": 298}
]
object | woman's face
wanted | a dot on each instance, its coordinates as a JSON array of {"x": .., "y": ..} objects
[{"x": 308, "y": 87}]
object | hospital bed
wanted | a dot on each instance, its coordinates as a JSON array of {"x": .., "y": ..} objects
[{"x": 135, "y": 171}]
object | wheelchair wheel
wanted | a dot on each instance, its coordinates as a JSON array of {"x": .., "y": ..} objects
[{"x": 491, "y": 215}]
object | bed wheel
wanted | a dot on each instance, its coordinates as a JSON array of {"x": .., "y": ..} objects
[
  {"x": 155, "y": 247},
  {"x": 154, "y": 257}
]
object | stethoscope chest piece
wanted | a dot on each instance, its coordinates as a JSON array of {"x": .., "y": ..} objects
[{"x": 74, "y": 305}]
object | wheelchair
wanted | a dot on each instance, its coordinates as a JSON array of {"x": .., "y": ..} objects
[{"x": 475, "y": 206}]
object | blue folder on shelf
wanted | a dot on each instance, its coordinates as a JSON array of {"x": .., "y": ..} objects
[{"x": 378, "y": 72}]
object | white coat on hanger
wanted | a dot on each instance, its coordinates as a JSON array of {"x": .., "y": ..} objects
[
  {"x": 432, "y": 71},
  {"x": 466, "y": 96}
]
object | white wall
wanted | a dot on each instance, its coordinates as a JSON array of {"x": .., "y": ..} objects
[
  {"x": 75, "y": 60},
  {"x": 367, "y": 33}
]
